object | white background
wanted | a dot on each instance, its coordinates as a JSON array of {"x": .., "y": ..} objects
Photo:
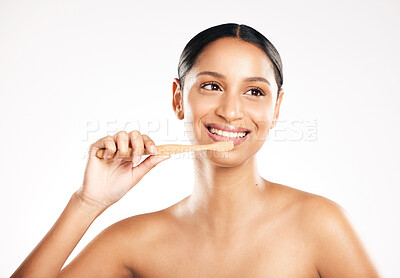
[{"x": 72, "y": 72}]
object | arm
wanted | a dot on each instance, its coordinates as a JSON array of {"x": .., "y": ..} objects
[
  {"x": 107, "y": 255},
  {"x": 340, "y": 252},
  {"x": 53, "y": 250},
  {"x": 105, "y": 181}
]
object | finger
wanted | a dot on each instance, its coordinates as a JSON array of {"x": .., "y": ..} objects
[
  {"x": 122, "y": 139},
  {"x": 149, "y": 144},
  {"x": 110, "y": 146},
  {"x": 149, "y": 163},
  {"x": 106, "y": 143},
  {"x": 137, "y": 146}
]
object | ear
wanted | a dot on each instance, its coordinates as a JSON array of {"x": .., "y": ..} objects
[
  {"x": 177, "y": 99},
  {"x": 277, "y": 107}
]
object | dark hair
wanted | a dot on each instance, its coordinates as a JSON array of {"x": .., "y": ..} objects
[{"x": 197, "y": 44}]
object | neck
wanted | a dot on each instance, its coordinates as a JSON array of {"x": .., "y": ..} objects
[{"x": 226, "y": 198}]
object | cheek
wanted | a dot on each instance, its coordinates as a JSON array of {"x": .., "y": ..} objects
[
  {"x": 262, "y": 117},
  {"x": 200, "y": 106},
  {"x": 197, "y": 108}
]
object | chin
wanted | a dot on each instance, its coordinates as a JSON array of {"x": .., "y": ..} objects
[{"x": 225, "y": 159}]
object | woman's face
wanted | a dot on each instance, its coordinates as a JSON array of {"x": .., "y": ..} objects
[{"x": 217, "y": 96}]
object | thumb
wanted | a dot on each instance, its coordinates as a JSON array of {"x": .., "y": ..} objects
[{"x": 149, "y": 163}]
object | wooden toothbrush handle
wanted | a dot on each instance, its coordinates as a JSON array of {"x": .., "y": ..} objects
[{"x": 174, "y": 148}]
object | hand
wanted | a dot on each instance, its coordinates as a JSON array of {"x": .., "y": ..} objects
[{"x": 107, "y": 180}]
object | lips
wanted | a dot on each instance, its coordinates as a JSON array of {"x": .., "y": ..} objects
[
  {"x": 217, "y": 137},
  {"x": 227, "y": 128}
]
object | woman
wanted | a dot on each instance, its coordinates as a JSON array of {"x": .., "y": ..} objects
[{"x": 235, "y": 223}]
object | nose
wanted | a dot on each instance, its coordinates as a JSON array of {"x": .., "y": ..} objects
[{"x": 230, "y": 107}]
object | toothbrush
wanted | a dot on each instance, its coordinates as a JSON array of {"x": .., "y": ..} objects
[{"x": 220, "y": 146}]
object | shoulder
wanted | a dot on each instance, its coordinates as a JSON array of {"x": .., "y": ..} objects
[
  {"x": 118, "y": 249},
  {"x": 140, "y": 228},
  {"x": 326, "y": 226},
  {"x": 310, "y": 207},
  {"x": 320, "y": 217},
  {"x": 306, "y": 205},
  {"x": 137, "y": 235}
]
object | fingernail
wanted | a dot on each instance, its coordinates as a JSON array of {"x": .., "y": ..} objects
[
  {"x": 136, "y": 160},
  {"x": 152, "y": 149}
]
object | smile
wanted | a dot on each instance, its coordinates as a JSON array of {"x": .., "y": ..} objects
[{"x": 226, "y": 133}]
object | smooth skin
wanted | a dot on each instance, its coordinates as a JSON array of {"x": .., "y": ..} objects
[{"x": 234, "y": 224}]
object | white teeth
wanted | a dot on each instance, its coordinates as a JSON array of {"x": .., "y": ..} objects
[{"x": 228, "y": 134}]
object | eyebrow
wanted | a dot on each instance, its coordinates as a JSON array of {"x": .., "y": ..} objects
[{"x": 221, "y": 76}]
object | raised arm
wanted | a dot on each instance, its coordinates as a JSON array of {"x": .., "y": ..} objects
[
  {"x": 105, "y": 182},
  {"x": 54, "y": 249}
]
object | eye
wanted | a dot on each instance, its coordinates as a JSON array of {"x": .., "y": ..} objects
[
  {"x": 258, "y": 92},
  {"x": 212, "y": 85}
]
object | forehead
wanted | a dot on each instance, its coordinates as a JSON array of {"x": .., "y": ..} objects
[{"x": 234, "y": 58}]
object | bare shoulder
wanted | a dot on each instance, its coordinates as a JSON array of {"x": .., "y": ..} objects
[
  {"x": 314, "y": 209},
  {"x": 143, "y": 235},
  {"x": 114, "y": 250},
  {"x": 320, "y": 216},
  {"x": 305, "y": 205},
  {"x": 337, "y": 248},
  {"x": 142, "y": 224},
  {"x": 141, "y": 229},
  {"x": 313, "y": 206}
]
